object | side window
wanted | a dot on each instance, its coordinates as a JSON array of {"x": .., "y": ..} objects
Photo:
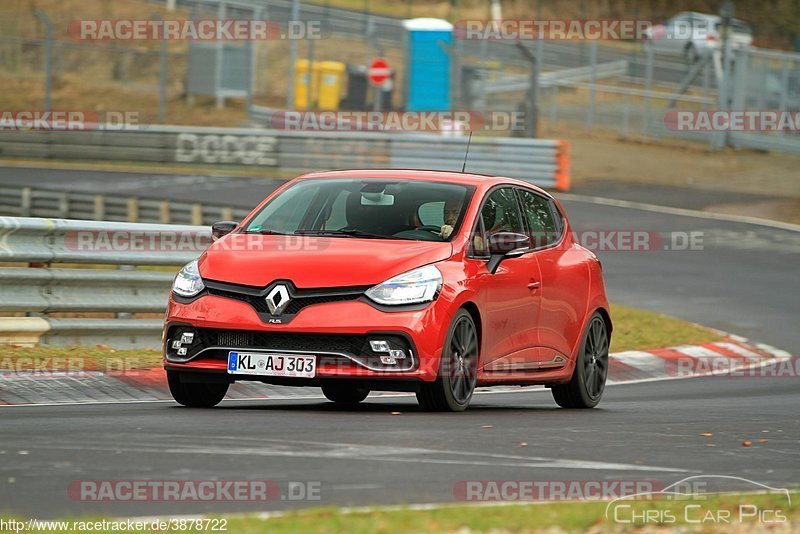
[
  {"x": 543, "y": 229},
  {"x": 500, "y": 212}
]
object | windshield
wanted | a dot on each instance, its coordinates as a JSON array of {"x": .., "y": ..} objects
[{"x": 386, "y": 209}]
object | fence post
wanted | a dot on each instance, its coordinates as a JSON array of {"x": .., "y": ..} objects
[
  {"x": 48, "y": 58},
  {"x": 592, "y": 85},
  {"x": 295, "y": 14},
  {"x": 162, "y": 80},
  {"x": 648, "y": 87},
  {"x": 554, "y": 107}
]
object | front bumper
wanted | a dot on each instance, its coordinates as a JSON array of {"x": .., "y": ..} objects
[{"x": 337, "y": 333}]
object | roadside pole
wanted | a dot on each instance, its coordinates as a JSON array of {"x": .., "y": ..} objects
[{"x": 48, "y": 58}]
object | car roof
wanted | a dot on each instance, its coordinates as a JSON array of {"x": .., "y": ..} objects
[{"x": 454, "y": 177}]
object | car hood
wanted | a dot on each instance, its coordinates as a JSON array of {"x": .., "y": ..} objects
[{"x": 311, "y": 262}]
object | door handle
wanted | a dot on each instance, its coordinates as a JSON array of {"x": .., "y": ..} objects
[{"x": 534, "y": 285}]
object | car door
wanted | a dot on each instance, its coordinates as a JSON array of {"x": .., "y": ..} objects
[
  {"x": 564, "y": 280},
  {"x": 510, "y": 308}
]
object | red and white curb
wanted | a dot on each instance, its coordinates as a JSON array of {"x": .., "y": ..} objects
[{"x": 734, "y": 356}]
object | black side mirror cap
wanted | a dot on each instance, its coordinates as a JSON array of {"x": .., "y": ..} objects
[
  {"x": 504, "y": 245},
  {"x": 222, "y": 228}
]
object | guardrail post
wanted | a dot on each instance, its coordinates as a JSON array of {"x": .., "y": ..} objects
[
  {"x": 133, "y": 209},
  {"x": 99, "y": 207},
  {"x": 63, "y": 205},
  {"x": 124, "y": 315},
  {"x": 25, "y": 202},
  {"x": 164, "y": 213},
  {"x": 227, "y": 214},
  {"x": 197, "y": 214}
]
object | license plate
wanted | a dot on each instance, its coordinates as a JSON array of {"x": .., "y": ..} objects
[{"x": 255, "y": 363}]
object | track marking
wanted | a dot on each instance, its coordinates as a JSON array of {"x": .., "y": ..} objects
[
  {"x": 643, "y": 206},
  {"x": 374, "y": 453}
]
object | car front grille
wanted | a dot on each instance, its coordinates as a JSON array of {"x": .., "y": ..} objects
[{"x": 299, "y": 298}]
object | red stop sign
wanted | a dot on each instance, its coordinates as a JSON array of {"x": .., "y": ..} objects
[{"x": 378, "y": 71}]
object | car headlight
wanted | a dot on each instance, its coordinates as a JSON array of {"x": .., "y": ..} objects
[
  {"x": 412, "y": 287},
  {"x": 188, "y": 282}
]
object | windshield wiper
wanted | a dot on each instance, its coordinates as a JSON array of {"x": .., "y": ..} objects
[
  {"x": 264, "y": 231},
  {"x": 344, "y": 233}
]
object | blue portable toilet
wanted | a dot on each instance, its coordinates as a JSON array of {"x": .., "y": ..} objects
[{"x": 428, "y": 64}]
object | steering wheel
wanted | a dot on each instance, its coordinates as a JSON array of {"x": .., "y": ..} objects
[{"x": 431, "y": 228}]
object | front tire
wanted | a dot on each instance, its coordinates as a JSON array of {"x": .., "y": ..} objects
[
  {"x": 458, "y": 369},
  {"x": 195, "y": 394},
  {"x": 585, "y": 388},
  {"x": 343, "y": 394}
]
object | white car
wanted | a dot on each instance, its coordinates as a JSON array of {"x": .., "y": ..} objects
[{"x": 693, "y": 35}]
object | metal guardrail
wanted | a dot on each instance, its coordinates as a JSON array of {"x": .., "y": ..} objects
[
  {"x": 41, "y": 289},
  {"x": 541, "y": 161},
  {"x": 564, "y": 77},
  {"x": 35, "y": 202}
]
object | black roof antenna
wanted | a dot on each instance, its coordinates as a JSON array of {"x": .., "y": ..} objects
[{"x": 463, "y": 167}]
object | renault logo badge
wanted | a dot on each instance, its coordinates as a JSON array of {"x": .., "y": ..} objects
[{"x": 277, "y": 299}]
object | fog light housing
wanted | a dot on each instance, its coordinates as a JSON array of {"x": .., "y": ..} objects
[
  {"x": 386, "y": 353},
  {"x": 379, "y": 345},
  {"x": 182, "y": 342}
]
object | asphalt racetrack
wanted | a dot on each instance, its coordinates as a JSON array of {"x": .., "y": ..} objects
[{"x": 742, "y": 278}]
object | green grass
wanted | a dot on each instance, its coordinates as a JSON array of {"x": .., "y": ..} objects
[
  {"x": 638, "y": 329},
  {"x": 568, "y": 516},
  {"x": 539, "y": 517},
  {"x": 634, "y": 329},
  {"x": 77, "y": 358}
]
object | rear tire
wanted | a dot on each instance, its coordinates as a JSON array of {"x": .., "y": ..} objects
[
  {"x": 458, "y": 369},
  {"x": 344, "y": 394},
  {"x": 585, "y": 388},
  {"x": 195, "y": 395}
]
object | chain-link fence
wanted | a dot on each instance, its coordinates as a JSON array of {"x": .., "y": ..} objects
[{"x": 622, "y": 86}]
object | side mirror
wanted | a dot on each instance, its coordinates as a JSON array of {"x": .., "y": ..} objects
[
  {"x": 504, "y": 245},
  {"x": 222, "y": 228}
]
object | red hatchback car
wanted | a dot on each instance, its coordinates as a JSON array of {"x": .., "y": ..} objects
[{"x": 400, "y": 280}]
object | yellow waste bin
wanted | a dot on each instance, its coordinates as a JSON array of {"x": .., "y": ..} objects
[
  {"x": 306, "y": 84},
  {"x": 331, "y": 80}
]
